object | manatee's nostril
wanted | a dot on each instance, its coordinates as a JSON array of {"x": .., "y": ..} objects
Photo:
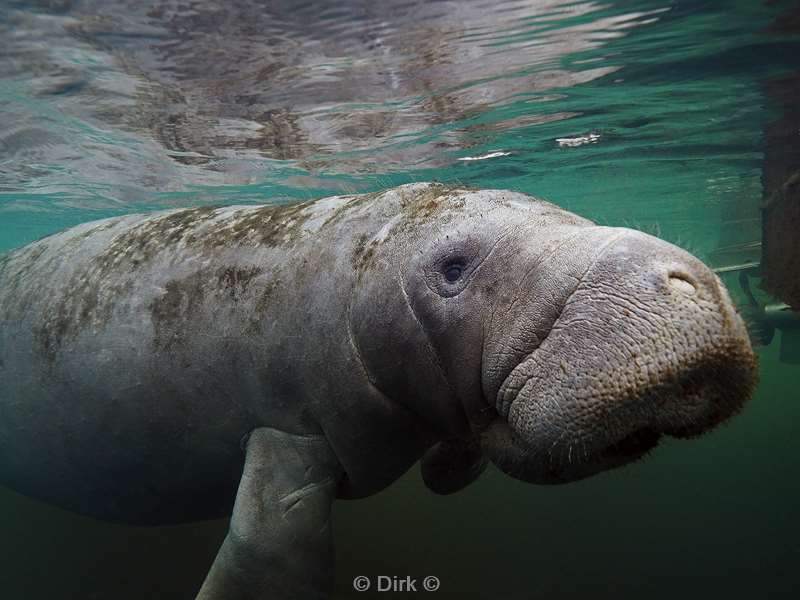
[{"x": 682, "y": 282}]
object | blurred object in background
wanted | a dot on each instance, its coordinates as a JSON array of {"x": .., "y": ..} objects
[
  {"x": 775, "y": 260},
  {"x": 781, "y": 205},
  {"x": 763, "y": 319},
  {"x": 780, "y": 262}
]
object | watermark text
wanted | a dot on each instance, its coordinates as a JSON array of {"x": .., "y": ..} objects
[{"x": 394, "y": 583}]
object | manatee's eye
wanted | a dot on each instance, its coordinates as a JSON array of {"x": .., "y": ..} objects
[{"x": 452, "y": 272}]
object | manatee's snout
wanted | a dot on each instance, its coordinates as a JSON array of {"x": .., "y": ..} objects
[{"x": 639, "y": 340}]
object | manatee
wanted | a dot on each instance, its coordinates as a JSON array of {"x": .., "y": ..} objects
[{"x": 264, "y": 360}]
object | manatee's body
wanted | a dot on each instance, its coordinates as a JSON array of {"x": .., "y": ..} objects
[
  {"x": 137, "y": 353},
  {"x": 346, "y": 338}
]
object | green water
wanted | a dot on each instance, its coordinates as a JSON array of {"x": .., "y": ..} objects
[
  {"x": 106, "y": 110},
  {"x": 711, "y": 518}
]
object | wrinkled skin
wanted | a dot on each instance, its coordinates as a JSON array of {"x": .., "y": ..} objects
[
  {"x": 136, "y": 354},
  {"x": 567, "y": 348}
]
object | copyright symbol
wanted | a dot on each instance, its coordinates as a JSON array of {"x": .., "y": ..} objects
[
  {"x": 431, "y": 583},
  {"x": 361, "y": 583}
]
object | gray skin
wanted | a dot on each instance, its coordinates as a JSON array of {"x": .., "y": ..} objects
[{"x": 338, "y": 342}]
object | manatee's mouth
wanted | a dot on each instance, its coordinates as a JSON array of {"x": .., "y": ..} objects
[
  {"x": 554, "y": 443},
  {"x": 550, "y": 465},
  {"x": 632, "y": 446}
]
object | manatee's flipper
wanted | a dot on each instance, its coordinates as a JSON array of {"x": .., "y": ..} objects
[
  {"x": 451, "y": 465},
  {"x": 279, "y": 542}
]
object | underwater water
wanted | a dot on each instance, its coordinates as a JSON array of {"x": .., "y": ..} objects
[{"x": 649, "y": 114}]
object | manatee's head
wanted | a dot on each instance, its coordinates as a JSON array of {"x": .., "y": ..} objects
[
  {"x": 568, "y": 347},
  {"x": 639, "y": 340}
]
